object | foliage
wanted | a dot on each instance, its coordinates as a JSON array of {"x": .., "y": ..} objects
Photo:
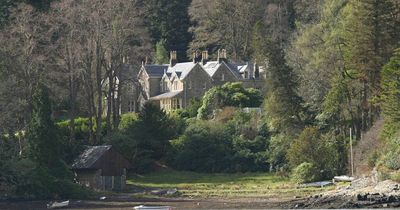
[
  {"x": 305, "y": 172},
  {"x": 311, "y": 147},
  {"x": 50, "y": 177},
  {"x": 127, "y": 120},
  {"x": 284, "y": 107},
  {"x": 42, "y": 134},
  {"x": 205, "y": 146},
  {"x": 229, "y": 94},
  {"x": 238, "y": 145},
  {"x": 168, "y": 21},
  {"x": 145, "y": 140},
  {"x": 161, "y": 53},
  {"x": 392, "y": 159},
  {"x": 390, "y": 84}
]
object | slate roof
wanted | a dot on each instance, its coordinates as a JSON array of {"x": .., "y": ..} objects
[
  {"x": 211, "y": 67},
  {"x": 155, "y": 70},
  {"x": 89, "y": 157},
  {"x": 182, "y": 69},
  {"x": 166, "y": 95}
]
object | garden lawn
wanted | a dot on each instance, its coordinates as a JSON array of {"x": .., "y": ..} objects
[{"x": 243, "y": 185}]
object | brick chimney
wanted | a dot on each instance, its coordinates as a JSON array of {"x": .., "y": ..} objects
[
  {"x": 204, "y": 57},
  {"x": 195, "y": 56},
  {"x": 172, "y": 58},
  {"x": 222, "y": 56}
]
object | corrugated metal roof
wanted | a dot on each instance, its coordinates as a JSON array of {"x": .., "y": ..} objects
[{"x": 89, "y": 157}]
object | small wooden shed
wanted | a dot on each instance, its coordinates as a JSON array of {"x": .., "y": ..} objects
[{"x": 101, "y": 168}]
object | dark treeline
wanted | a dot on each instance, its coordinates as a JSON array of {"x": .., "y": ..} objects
[{"x": 331, "y": 66}]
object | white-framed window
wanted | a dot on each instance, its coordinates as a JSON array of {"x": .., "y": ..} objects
[{"x": 222, "y": 77}]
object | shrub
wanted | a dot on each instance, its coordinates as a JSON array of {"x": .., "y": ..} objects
[
  {"x": 392, "y": 159},
  {"x": 395, "y": 176},
  {"x": 305, "y": 172},
  {"x": 127, "y": 120},
  {"x": 204, "y": 147},
  {"x": 372, "y": 158},
  {"x": 312, "y": 147},
  {"x": 230, "y": 94}
]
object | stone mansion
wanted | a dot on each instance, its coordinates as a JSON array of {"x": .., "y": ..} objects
[{"x": 174, "y": 85}]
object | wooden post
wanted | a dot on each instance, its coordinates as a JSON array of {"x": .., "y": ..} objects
[{"x": 351, "y": 155}]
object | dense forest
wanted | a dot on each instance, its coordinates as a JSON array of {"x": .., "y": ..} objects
[{"x": 332, "y": 66}]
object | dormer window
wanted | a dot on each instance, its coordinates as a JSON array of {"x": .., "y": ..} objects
[{"x": 223, "y": 77}]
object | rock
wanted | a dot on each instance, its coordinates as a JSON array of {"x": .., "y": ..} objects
[{"x": 172, "y": 191}]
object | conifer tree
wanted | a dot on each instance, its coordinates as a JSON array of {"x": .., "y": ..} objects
[
  {"x": 44, "y": 142},
  {"x": 369, "y": 34},
  {"x": 283, "y": 104},
  {"x": 161, "y": 53},
  {"x": 391, "y": 88}
]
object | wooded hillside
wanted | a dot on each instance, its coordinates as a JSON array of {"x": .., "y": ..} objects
[{"x": 331, "y": 66}]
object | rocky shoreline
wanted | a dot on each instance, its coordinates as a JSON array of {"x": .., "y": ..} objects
[{"x": 362, "y": 193}]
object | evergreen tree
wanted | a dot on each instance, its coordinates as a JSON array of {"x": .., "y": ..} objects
[
  {"x": 44, "y": 141},
  {"x": 283, "y": 104},
  {"x": 369, "y": 34},
  {"x": 161, "y": 53},
  {"x": 390, "y": 98},
  {"x": 168, "y": 20}
]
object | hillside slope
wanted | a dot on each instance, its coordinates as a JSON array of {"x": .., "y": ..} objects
[{"x": 369, "y": 143}]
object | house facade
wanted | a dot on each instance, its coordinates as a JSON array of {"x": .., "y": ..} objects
[{"x": 172, "y": 86}]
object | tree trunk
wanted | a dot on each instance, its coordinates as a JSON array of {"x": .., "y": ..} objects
[{"x": 99, "y": 92}]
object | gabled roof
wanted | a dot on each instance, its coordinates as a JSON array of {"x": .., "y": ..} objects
[
  {"x": 89, "y": 157},
  {"x": 182, "y": 69},
  {"x": 211, "y": 67},
  {"x": 155, "y": 70}
]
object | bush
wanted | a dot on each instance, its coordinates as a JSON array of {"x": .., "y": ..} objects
[
  {"x": 395, "y": 176},
  {"x": 305, "y": 172},
  {"x": 392, "y": 159},
  {"x": 127, "y": 120},
  {"x": 312, "y": 147},
  {"x": 204, "y": 147},
  {"x": 230, "y": 94},
  {"x": 372, "y": 158}
]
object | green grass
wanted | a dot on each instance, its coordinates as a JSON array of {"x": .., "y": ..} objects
[{"x": 246, "y": 185}]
